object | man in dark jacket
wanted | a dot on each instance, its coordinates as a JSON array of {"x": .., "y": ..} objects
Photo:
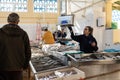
[
  {"x": 15, "y": 51},
  {"x": 88, "y": 43},
  {"x": 61, "y": 34}
]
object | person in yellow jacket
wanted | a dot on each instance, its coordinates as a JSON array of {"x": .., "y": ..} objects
[{"x": 48, "y": 37}]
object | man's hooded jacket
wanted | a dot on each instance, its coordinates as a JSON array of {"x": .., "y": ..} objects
[{"x": 15, "y": 50}]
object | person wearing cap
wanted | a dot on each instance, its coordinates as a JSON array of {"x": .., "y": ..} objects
[
  {"x": 48, "y": 38},
  {"x": 15, "y": 52}
]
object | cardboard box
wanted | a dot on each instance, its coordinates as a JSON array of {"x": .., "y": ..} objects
[{"x": 78, "y": 75}]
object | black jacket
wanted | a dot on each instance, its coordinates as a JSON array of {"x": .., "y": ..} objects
[
  {"x": 85, "y": 42},
  {"x": 60, "y": 34},
  {"x": 15, "y": 51}
]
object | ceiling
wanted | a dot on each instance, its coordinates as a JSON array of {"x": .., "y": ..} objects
[
  {"x": 80, "y": 5},
  {"x": 116, "y": 5}
]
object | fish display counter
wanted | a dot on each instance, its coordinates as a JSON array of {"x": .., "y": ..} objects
[
  {"x": 69, "y": 73},
  {"x": 46, "y": 63},
  {"x": 94, "y": 58},
  {"x": 36, "y": 51}
]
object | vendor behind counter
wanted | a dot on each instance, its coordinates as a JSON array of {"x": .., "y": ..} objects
[
  {"x": 88, "y": 43},
  {"x": 59, "y": 34},
  {"x": 47, "y": 37}
]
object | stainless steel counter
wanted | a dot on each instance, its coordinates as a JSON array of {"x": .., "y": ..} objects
[
  {"x": 46, "y": 63},
  {"x": 94, "y": 58}
]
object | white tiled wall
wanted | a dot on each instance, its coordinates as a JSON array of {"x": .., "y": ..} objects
[{"x": 31, "y": 29}]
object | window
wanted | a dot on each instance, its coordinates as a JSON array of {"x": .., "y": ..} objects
[
  {"x": 116, "y": 19},
  {"x": 13, "y": 5},
  {"x": 45, "y": 6},
  {"x": 63, "y": 4},
  {"x": 116, "y": 15}
]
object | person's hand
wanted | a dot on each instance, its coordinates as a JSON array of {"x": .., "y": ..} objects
[{"x": 93, "y": 44}]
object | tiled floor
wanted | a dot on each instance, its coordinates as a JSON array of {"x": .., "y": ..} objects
[{"x": 27, "y": 77}]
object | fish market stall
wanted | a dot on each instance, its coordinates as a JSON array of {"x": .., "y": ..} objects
[
  {"x": 57, "y": 47},
  {"x": 45, "y": 63},
  {"x": 98, "y": 66},
  {"x": 45, "y": 66},
  {"x": 36, "y": 51},
  {"x": 60, "y": 51},
  {"x": 69, "y": 73},
  {"x": 94, "y": 58}
]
